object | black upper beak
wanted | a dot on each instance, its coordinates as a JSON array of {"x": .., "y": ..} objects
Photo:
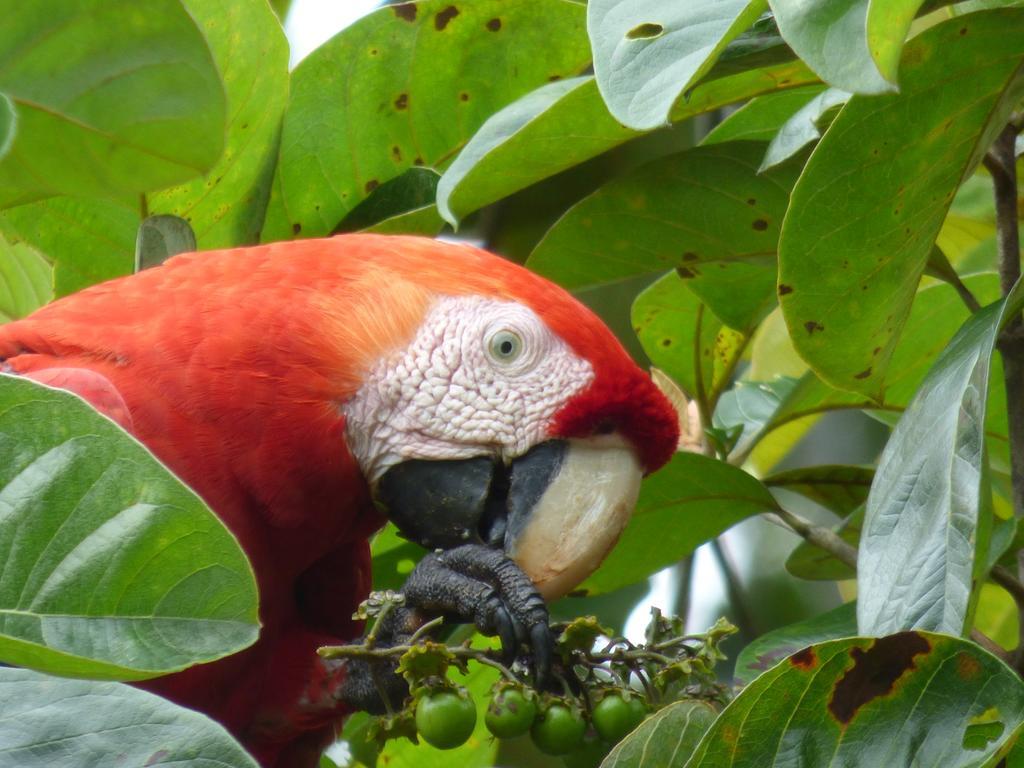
[{"x": 442, "y": 504}]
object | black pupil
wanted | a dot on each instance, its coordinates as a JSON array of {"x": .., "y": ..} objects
[{"x": 505, "y": 347}]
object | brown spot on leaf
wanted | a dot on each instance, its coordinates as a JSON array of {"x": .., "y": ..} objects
[
  {"x": 463, "y": 96},
  {"x": 554, "y": 78},
  {"x": 494, "y": 25},
  {"x": 373, "y": 51},
  {"x": 875, "y": 672},
  {"x": 812, "y": 326},
  {"x": 784, "y": 289},
  {"x": 444, "y": 16},
  {"x": 751, "y": 201},
  {"x": 296, "y": 228},
  {"x": 371, "y": 185},
  {"x": 967, "y": 667},
  {"x": 805, "y": 659},
  {"x": 863, "y": 374},
  {"x": 402, "y": 101},
  {"x": 666, "y": 342},
  {"x": 689, "y": 256},
  {"x": 686, "y": 272},
  {"x": 405, "y": 11},
  {"x": 578, "y": 593},
  {"x": 418, "y": 161},
  {"x": 396, "y": 152},
  {"x": 963, "y": 30},
  {"x": 760, "y": 225},
  {"x": 876, "y": 350}
]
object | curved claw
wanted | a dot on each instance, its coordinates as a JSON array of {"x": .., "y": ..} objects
[
  {"x": 506, "y": 628},
  {"x": 541, "y": 644}
]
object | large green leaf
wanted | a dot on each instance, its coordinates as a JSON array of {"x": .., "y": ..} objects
[
  {"x": 936, "y": 315},
  {"x": 86, "y": 240},
  {"x": 564, "y": 126},
  {"x": 872, "y": 198},
  {"x": 804, "y": 127},
  {"x": 226, "y": 206},
  {"x": 112, "y": 568},
  {"x": 683, "y": 338},
  {"x": 686, "y": 503},
  {"x": 47, "y": 722},
  {"x": 26, "y": 280},
  {"x": 918, "y": 557},
  {"x": 648, "y": 52},
  {"x": 408, "y": 85},
  {"x": 761, "y": 117},
  {"x": 831, "y": 36},
  {"x": 113, "y": 98},
  {"x": 705, "y": 212},
  {"x": 90, "y": 240},
  {"x": 912, "y": 699},
  {"x": 772, "y": 647},
  {"x": 886, "y": 28},
  {"x": 665, "y": 739}
]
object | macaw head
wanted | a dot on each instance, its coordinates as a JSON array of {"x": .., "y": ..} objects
[{"x": 497, "y": 409}]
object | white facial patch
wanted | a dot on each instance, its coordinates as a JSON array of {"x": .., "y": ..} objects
[{"x": 481, "y": 377}]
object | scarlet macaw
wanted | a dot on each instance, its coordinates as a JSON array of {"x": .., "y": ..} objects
[{"x": 307, "y": 389}]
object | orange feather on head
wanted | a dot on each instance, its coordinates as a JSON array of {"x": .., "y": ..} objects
[{"x": 233, "y": 367}]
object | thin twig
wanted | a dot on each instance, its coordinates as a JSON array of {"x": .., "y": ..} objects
[
  {"x": 1002, "y": 164},
  {"x": 819, "y": 536}
]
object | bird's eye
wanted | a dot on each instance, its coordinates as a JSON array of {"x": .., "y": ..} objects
[{"x": 505, "y": 346}]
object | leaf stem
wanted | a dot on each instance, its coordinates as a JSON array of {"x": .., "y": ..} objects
[{"x": 1002, "y": 165}]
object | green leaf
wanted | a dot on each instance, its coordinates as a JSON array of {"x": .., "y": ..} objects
[
  {"x": 887, "y": 25},
  {"x": 912, "y": 699},
  {"x": 772, "y": 647},
  {"x": 809, "y": 562},
  {"x": 665, "y": 739},
  {"x": 49, "y": 721},
  {"x": 226, "y": 206},
  {"x": 686, "y": 503},
  {"x": 86, "y": 240},
  {"x": 761, "y": 117},
  {"x": 683, "y": 338},
  {"x": 113, "y": 99},
  {"x": 648, "y": 52},
  {"x": 90, "y": 240},
  {"x": 161, "y": 237},
  {"x": 748, "y": 406},
  {"x": 400, "y": 201},
  {"x": 837, "y": 487},
  {"x": 830, "y": 35},
  {"x": 408, "y": 85},
  {"x": 704, "y": 212},
  {"x": 26, "y": 280},
  {"x": 804, "y": 127},
  {"x": 393, "y": 558},
  {"x": 470, "y": 174},
  {"x": 867, "y": 208},
  {"x": 524, "y": 144},
  {"x": 918, "y": 556},
  {"x": 8, "y": 124},
  {"x": 935, "y": 317},
  {"x": 113, "y": 568}
]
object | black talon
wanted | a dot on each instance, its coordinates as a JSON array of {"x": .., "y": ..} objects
[{"x": 541, "y": 643}]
